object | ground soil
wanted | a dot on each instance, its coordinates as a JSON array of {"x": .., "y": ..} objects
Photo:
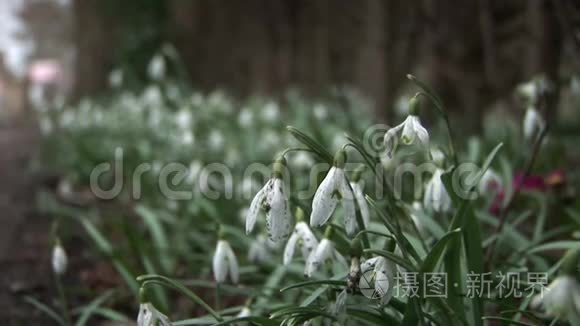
[{"x": 24, "y": 234}]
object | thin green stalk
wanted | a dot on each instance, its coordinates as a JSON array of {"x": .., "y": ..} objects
[
  {"x": 63, "y": 300},
  {"x": 217, "y": 297}
]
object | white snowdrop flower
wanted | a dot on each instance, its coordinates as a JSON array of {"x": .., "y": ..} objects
[
  {"x": 150, "y": 316},
  {"x": 225, "y": 263},
  {"x": 216, "y": 140},
  {"x": 533, "y": 123},
  {"x": 411, "y": 131},
  {"x": 245, "y": 312},
  {"x": 438, "y": 156},
  {"x": 271, "y": 112},
  {"x": 334, "y": 188},
  {"x": 325, "y": 251},
  {"x": 259, "y": 250},
  {"x": 245, "y": 118},
  {"x": 183, "y": 119},
  {"x": 152, "y": 96},
  {"x": 490, "y": 181},
  {"x": 273, "y": 200},
  {"x": 382, "y": 277},
  {"x": 116, "y": 78},
  {"x": 156, "y": 68},
  {"x": 302, "y": 160},
  {"x": 529, "y": 91},
  {"x": 59, "y": 259},
  {"x": 436, "y": 197},
  {"x": 561, "y": 298},
  {"x": 303, "y": 238},
  {"x": 269, "y": 140},
  {"x": 357, "y": 189},
  {"x": 187, "y": 138},
  {"x": 320, "y": 112}
]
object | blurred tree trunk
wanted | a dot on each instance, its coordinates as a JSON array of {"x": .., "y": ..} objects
[{"x": 94, "y": 36}]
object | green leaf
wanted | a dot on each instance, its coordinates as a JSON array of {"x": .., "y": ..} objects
[
  {"x": 316, "y": 282},
  {"x": 90, "y": 309},
  {"x": 394, "y": 258},
  {"x": 46, "y": 309},
  {"x": 324, "y": 154},
  {"x": 435, "y": 255}
]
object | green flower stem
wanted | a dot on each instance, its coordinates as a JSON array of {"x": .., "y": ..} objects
[
  {"x": 63, "y": 300},
  {"x": 427, "y": 92}
]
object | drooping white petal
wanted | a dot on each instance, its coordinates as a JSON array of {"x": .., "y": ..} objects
[
  {"x": 245, "y": 312},
  {"x": 59, "y": 260},
  {"x": 322, "y": 252},
  {"x": 361, "y": 202},
  {"x": 560, "y": 299},
  {"x": 290, "y": 246},
  {"x": 384, "y": 279},
  {"x": 255, "y": 207},
  {"x": 368, "y": 264},
  {"x": 532, "y": 124},
  {"x": 349, "y": 208},
  {"x": 144, "y": 317},
  {"x": 308, "y": 241},
  {"x": 436, "y": 196},
  {"x": 421, "y": 132},
  {"x": 258, "y": 252},
  {"x": 150, "y": 316},
  {"x": 325, "y": 199},
  {"x": 278, "y": 212},
  {"x": 390, "y": 140},
  {"x": 219, "y": 263},
  {"x": 233, "y": 267}
]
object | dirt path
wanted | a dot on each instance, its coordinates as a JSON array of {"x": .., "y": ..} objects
[{"x": 24, "y": 243}]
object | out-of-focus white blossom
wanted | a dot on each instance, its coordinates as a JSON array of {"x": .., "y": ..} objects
[
  {"x": 320, "y": 112},
  {"x": 271, "y": 112},
  {"x": 245, "y": 118},
  {"x": 436, "y": 197},
  {"x": 225, "y": 263},
  {"x": 533, "y": 123},
  {"x": 156, "y": 68},
  {"x": 59, "y": 259},
  {"x": 301, "y": 238},
  {"x": 561, "y": 299},
  {"x": 325, "y": 251}
]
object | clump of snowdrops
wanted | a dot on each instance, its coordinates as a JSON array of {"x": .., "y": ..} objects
[{"x": 294, "y": 260}]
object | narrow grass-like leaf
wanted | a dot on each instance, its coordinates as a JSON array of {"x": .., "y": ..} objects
[
  {"x": 90, "y": 309},
  {"x": 324, "y": 154},
  {"x": 46, "y": 309}
]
